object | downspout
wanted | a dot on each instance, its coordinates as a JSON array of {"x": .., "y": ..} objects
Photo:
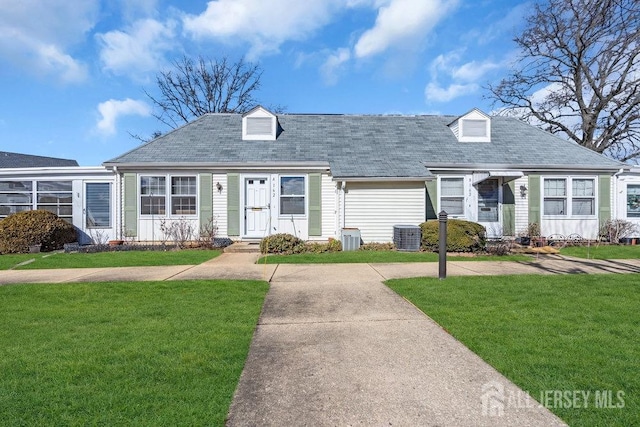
[{"x": 118, "y": 203}]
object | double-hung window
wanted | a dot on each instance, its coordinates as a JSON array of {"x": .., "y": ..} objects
[
  {"x": 633, "y": 201},
  {"x": 183, "y": 195},
  {"x": 452, "y": 196},
  {"x": 569, "y": 197},
  {"x": 292, "y": 195},
  {"x": 153, "y": 195}
]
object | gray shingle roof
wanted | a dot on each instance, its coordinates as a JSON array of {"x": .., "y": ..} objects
[
  {"x": 363, "y": 145},
  {"x": 17, "y": 160}
]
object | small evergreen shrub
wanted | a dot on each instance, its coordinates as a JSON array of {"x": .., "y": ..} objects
[
  {"x": 462, "y": 236},
  {"x": 375, "y": 246},
  {"x": 318, "y": 248},
  {"x": 282, "y": 243},
  {"x": 32, "y": 228}
]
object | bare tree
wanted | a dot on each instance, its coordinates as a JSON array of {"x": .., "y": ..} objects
[
  {"x": 579, "y": 74},
  {"x": 196, "y": 87}
]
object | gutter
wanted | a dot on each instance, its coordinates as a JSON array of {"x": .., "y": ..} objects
[
  {"x": 220, "y": 166},
  {"x": 523, "y": 168}
]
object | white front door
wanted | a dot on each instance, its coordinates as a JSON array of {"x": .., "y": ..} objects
[
  {"x": 489, "y": 206},
  {"x": 257, "y": 207}
]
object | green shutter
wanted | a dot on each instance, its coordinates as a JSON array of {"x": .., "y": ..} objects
[
  {"x": 206, "y": 198},
  {"x": 130, "y": 217},
  {"x": 534, "y": 199},
  {"x": 509, "y": 209},
  {"x": 315, "y": 204},
  {"x": 432, "y": 199},
  {"x": 233, "y": 204},
  {"x": 604, "y": 198}
]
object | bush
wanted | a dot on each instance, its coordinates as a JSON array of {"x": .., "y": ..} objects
[
  {"x": 32, "y": 228},
  {"x": 282, "y": 243},
  {"x": 375, "y": 246},
  {"x": 462, "y": 236},
  {"x": 318, "y": 248}
]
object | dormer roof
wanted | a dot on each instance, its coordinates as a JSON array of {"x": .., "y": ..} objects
[
  {"x": 259, "y": 124},
  {"x": 474, "y": 126}
]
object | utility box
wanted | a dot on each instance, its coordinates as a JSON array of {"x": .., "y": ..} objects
[
  {"x": 407, "y": 237},
  {"x": 350, "y": 239}
]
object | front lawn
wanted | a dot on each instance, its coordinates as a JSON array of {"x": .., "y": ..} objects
[
  {"x": 146, "y": 353},
  {"x": 603, "y": 252},
  {"x": 108, "y": 259},
  {"x": 378, "y": 257},
  {"x": 577, "y": 332}
]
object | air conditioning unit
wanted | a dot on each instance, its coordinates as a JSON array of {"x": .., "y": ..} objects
[
  {"x": 407, "y": 237},
  {"x": 350, "y": 239}
]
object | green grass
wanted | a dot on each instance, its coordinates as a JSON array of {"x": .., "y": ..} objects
[
  {"x": 603, "y": 252},
  {"x": 378, "y": 257},
  {"x": 147, "y": 353},
  {"x": 108, "y": 259},
  {"x": 574, "y": 332}
]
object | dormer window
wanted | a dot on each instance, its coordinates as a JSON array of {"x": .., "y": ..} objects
[
  {"x": 475, "y": 126},
  {"x": 259, "y": 124}
]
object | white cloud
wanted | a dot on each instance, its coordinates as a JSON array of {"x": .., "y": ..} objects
[
  {"x": 333, "y": 64},
  {"x": 264, "y": 25},
  {"x": 112, "y": 109},
  {"x": 36, "y": 34},
  {"x": 139, "y": 49},
  {"x": 474, "y": 70},
  {"x": 402, "y": 22},
  {"x": 434, "y": 92}
]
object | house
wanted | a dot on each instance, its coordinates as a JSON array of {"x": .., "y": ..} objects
[
  {"x": 627, "y": 197},
  {"x": 313, "y": 174},
  {"x": 81, "y": 195}
]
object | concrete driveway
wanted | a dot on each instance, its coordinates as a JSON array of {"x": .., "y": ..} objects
[{"x": 335, "y": 347}]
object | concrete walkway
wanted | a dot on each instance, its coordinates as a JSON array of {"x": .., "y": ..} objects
[{"x": 335, "y": 347}]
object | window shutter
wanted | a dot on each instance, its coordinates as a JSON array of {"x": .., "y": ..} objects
[
  {"x": 315, "y": 204},
  {"x": 604, "y": 198},
  {"x": 432, "y": 199},
  {"x": 534, "y": 199},
  {"x": 130, "y": 220},
  {"x": 206, "y": 198},
  {"x": 233, "y": 204},
  {"x": 509, "y": 209}
]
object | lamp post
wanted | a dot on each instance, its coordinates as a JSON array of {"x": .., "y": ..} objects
[{"x": 442, "y": 245}]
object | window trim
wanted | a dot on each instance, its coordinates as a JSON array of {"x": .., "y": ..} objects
[
  {"x": 626, "y": 204},
  {"x": 569, "y": 197},
  {"x": 168, "y": 196},
  {"x": 464, "y": 195},
  {"x": 305, "y": 196}
]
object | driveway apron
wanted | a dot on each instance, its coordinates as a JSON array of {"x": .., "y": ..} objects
[{"x": 334, "y": 346}]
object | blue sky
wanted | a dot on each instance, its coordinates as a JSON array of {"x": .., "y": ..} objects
[{"x": 72, "y": 73}]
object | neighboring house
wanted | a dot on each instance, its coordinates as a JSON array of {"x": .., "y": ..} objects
[
  {"x": 312, "y": 175},
  {"x": 627, "y": 197},
  {"x": 84, "y": 196}
]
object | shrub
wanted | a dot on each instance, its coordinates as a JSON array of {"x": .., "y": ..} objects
[
  {"x": 282, "y": 243},
  {"x": 31, "y": 228},
  {"x": 462, "y": 236},
  {"x": 318, "y": 247},
  {"x": 374, "y": 246},
  {"x": 615, "y": 229}
]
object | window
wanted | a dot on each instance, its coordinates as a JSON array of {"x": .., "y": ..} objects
[
  {"x": 153, "y": 194},
  {"x": 183, "y": 195},
  {"x": 581, "y": 201},
  {"x": 15, "y": 196},
  {"x": 292, "y": 190},
  {"x": 555, "y": 196},
  {"x": 474, "y": 128},
  {"x": 452, "y": 196},
  {"x": 56, "y": 197},
  {"x": 98, "y": 204},
  {"x": 633, "y": 201}
]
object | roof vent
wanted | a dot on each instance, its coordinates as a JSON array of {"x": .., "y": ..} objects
[
  {"x": 259, "y": 124},
  {"x": 475, "y": 126}
]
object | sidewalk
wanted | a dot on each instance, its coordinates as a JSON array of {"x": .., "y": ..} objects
[{"x": 335, "y": 347}]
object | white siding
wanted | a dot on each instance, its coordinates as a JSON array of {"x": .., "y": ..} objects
[
  {"x": 620, "y": 198},
  {"x": 220, "y": 203},
  {"x": 329, "y": 210},
  {"x": 522, "y": 205},
  {"x": 375, "y": 208}
]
